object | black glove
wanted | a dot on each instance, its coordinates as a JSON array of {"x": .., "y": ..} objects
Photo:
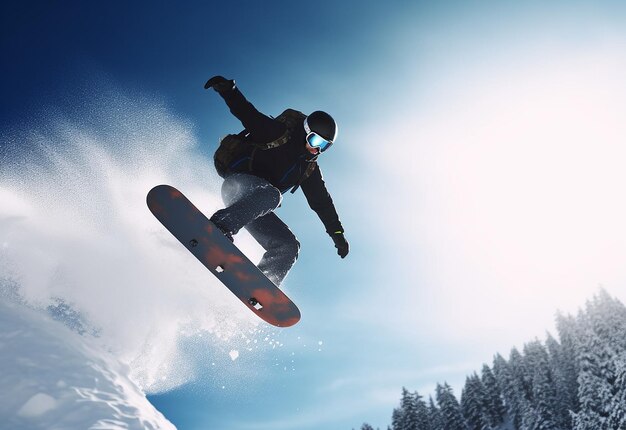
[
  {"x": 341, "y": 244},
  {"x": 220, "y": 84}
]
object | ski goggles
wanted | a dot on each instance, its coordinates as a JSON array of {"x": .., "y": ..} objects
[{"x": 315, "y": 140}]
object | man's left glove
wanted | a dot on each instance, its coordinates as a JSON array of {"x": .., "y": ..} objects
[
  {"x": 341, "y": 244},
  {"x": 220, "y": 84}
]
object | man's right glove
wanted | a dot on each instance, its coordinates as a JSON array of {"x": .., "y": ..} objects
[
  {"x": 341, "y": 243},
  {"x": 220, "y": 84}
]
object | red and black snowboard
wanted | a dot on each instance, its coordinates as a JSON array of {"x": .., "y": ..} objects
[{"x": 218, "y": 254}]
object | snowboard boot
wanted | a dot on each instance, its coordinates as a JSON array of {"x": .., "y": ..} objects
[{"x": 225, "y": 231}]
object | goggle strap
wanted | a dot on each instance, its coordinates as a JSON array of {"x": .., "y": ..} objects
[{"x": 308, "y": 131}]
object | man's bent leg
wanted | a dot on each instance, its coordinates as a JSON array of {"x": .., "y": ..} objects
[
  {"x": 247, "y": 197},
  {"x": 280, "y": 244}
]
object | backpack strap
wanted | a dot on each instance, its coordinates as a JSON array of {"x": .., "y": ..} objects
[
  {"x": 278, "y": 142},
  {"x": 291, "y": 118},
  {"x": 305, "y": 175}
]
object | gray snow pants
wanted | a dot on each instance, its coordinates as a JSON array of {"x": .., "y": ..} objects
[{"x": 250, "y": 202}]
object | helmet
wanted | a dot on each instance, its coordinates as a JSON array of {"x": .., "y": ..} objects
[{"x": 321, "y": 130}]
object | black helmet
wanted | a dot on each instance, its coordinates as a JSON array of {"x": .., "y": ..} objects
[{"x": 320, "y": 125}]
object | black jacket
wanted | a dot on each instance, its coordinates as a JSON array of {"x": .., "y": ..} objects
[{"x": 284, "y": 165}]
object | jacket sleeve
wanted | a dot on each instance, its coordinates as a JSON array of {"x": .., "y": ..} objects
[
  {"x": 320, "y": 201},
  {"x": 262, "y": 128}
]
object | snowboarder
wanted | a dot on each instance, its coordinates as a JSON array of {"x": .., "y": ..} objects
[{"x": 268, "y": 158}]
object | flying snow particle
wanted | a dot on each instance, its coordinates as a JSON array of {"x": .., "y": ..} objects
[{"x": 234, "y": 354}]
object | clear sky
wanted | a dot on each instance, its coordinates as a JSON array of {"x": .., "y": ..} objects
[{"x": 478, "y": 174}]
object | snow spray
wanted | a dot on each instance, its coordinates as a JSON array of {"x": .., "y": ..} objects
[{"x": 77, "y": 239}]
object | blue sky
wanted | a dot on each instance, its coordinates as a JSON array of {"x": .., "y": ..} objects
[{"x": 479, "y": 158}]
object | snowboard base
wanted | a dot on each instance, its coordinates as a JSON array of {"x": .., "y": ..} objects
[{"x": 218, "y": 254}]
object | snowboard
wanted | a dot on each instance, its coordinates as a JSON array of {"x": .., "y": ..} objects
[{"x": 218, "y": 254}]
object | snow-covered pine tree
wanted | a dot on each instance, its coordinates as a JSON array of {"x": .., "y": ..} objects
[
  {"x": 511, "y": 391},
  {"x": 609, "y": 320},
  {"x": 617, "y": 417},
  {"x": 473, "y": 406},
  {"x": 422, "y": 419},
  {"x": 450, "y": 408},
  {"x": 434, "y": 416},
  {"x": 555, "y": 359},
  {"x": 366, "y": 426},
  {"x": 493, "y": 397},
  {"x": 564, "y": 374},
  {"x": 594, "y": 386},
  {"x": 521, "y": 387},
  {"x": 534, "y": 358},
  {"x": 396, "y": 419},
  {"x": 412, "y": 413},
  {"x": 408, "y": 420},
  {"x": 599, "y": 355},
  {"x": 542, "y": 406},
  {"x": 611, "y": 316},
  {"x": 522, "y": 377},
  {"x": 567, "y": 327}
]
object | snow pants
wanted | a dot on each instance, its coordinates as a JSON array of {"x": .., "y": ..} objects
[{"x": 250, "y": 203}]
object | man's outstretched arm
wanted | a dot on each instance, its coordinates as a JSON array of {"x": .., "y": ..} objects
[{"x": 261, "y": 127}]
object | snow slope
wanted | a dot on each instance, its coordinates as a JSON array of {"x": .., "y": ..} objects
[
  {"x": 78, "y": 244},
  {"x": 54, "y": 378},
  {"x": 77, "y": 237}
]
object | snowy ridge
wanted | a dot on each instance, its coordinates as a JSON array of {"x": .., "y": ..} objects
[{"x": 54, "y": 378}]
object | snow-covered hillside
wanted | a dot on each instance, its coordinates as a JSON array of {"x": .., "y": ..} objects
[
  {"x": 54, "y": 378},
  {"x": 99, "y": 305}
]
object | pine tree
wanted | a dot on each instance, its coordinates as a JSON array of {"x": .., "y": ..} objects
[
  {"x": 521, "y": 376},
  {"x": 412, "y": 413},
  {"x": 515, "y": 391},
  {"x": 366, "y": 426},
  {"x": 421, "y": 412},
  {"x": 434, "y": 416},
  {"x": 396, "y": 419},
  {"x": 563, "y": 366},
  {"x": 599, "y": 364},
  {"x": 511, "y": 392},
  {"x": 613, "y": 313},
  {"x": 542, "y": 406},
  {"x": 609, "y": 320},
  {"x": 493, "y": 397},
  {"x": 408, "y": 420},
  {"x": 617, "y": 417},
  {"x": 450, "y": 408},
  {"x": 593, "y": 392},
  {"x": 473, "y": 406},
  {"x": 555, "y": 357}
]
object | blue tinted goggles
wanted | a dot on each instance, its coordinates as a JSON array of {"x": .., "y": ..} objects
[{"x": 315, "y": 140}]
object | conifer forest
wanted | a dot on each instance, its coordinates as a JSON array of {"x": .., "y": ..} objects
[{"x": 574, "y": 382}]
